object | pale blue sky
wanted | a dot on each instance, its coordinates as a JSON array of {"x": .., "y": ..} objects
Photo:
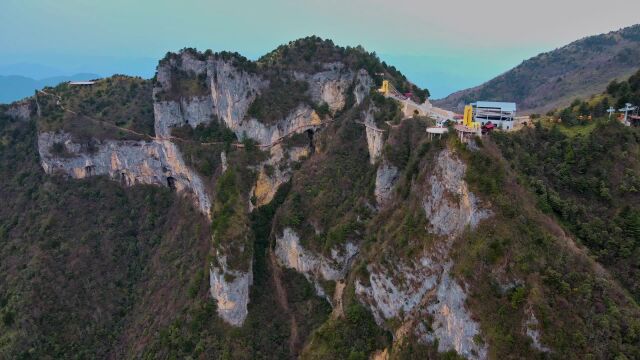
[{"x": 443, "y": 45}]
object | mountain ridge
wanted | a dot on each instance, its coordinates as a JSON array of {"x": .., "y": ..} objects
[{"x": 555, "y": 78}]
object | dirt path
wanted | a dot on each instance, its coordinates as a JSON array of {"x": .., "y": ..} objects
[
  {"x": 282, "y": 299},
  {"x": 338, "y": 311}
]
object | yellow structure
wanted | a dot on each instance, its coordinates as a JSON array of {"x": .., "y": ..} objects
[
  {"x": 385, "y": 87},
  {"x": 467, "y": 120}
]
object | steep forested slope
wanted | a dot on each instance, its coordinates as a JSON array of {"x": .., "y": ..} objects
[
  {"x": 553, "y": 79},
  {"x": 590, "y": 183}
]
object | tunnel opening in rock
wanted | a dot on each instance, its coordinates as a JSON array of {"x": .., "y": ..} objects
[
  {"x": 171, "y": 183},
  {"x": 89, "y": 170},
  {"x": 310, "y": 134}
]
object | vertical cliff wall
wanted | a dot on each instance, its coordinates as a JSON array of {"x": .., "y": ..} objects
[{"x": 128, "y": 162}]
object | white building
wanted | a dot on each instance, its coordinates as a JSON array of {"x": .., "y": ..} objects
[{"x": 501, "y": 114}]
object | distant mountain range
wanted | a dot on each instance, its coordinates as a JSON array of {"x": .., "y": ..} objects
[
  {"x": 553, "y": 79},
  {"x": 15, "y": 87}
]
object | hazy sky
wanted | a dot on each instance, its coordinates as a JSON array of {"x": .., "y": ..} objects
[{"x": 444, "y": 45}]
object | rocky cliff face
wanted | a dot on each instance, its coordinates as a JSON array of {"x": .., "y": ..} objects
[
  {"x": 413, "y": 290},
  {"x": 232, "y": 91},
  {"x": 276, "y": 171},
  {"x": 193, "y": 111},
  {"x": 129, "y": 162},
  {"x": 386, "y": 177},
  {"x": 314, "y": 267},
  {"x": 375, "y": 136},
  {"x": 230, "y": 288},
  {"x": 330, "y": 85},
  {"x": 21, "y": 110}
]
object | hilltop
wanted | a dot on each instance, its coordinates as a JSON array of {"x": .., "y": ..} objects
[{"x": 555, "y": 78}]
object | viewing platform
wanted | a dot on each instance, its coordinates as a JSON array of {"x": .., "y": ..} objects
[{"x": 436, "y": 130}]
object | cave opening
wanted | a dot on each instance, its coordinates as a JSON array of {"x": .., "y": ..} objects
[
  {"x": 89, "y": 170},
  {"x": 171, "y": 182},
  {"x": 312, "y": 147}
]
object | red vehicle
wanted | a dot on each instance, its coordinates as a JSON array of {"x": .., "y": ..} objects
[{"x": 488, "y": 127}]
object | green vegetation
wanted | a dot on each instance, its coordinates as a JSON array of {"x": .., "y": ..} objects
[
  {"x": 279, "y": 100},
  {"x": 412, "y": 348},
  {"x": 197, "y": 331},
  {"x": 626, "y": 91},
  {"x": 590, "y": 184},
  {"x": 84, "y": 262},
  {"x": 404, "y": 140},
  {"x": 89, "y": 269},
  {"x": 201, "y": 147},
  {"x": 354, "y": 336},
  {"x": 184, "y": 85},
  {"x": 330, "y": 191},
  {"x": 539, "y": 270},
  {"x": 307, "y": 55},
  {"x": 93, "y": 270},
  {"x": 100, "y": 109},
  {"x": 582, "y": 112},
  {"x": 230, "y": 222},
  {"x": 387, "y": 109},
  {"x": 237, "y": 60}
]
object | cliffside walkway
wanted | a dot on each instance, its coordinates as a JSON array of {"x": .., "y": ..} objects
[
  {"x": 410, "y": 106},
  {"x": 374, "y": 128}
]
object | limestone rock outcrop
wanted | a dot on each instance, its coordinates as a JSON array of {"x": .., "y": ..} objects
[
  {"x": 232, "y": 90},
  {"x": 314, "y": 267},
  {"x": 446, "y": 216},
  {"x": 363, "y": 85},
  {"x": 230, "y": 289},
  {"x": 129, "y": 162},
  {"x": 194, "y": 111},
  {"x": 329, "y": 85},
  {"x": 386, "y": 177},
  {"x": 375, "y": 136},
  {"x": 21, "y": 110},
  {"x": 276, "y": 171},
  {"x": 412, "y": 290}
]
